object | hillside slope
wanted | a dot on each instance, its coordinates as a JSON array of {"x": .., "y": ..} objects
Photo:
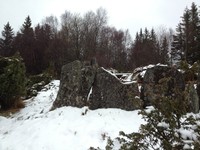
[{"x": 37, "y": 128}]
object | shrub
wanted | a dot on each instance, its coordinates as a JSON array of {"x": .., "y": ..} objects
[
  {"x": 13, "y": 81},
  {"x": 166, "y": 123},
  {"x": 36, "y": 83},
  {"x": 189, "y": 72}
]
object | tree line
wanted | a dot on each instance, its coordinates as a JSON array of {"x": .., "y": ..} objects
[
  {"x": 50, "y": 44},
  {"x": 186, "y": 41}
]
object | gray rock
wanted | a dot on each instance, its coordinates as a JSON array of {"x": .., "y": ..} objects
[
  {"x": 152, "y": 79},
  {"x": 109, "y": 92},
  {"x": 198, "y": 83},
  {"x": 192, "y": 98},
  {"x": 82, "y": 84},
  {"x": 76, "y": 81}
]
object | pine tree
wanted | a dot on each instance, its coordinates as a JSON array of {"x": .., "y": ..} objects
[
  {"x": 193, "y": 51},
  {"x": 137, "y": 49},
  {"x": 154, "y": 45},
  {"x": 186, "y": 32},
  {"x": 13, "y": 81},
  {"x": 164, "y": 51},
  {"x": 187, "y": 40},
  {"x": 145, "y": 49},
  {"x": 177, "y": 45},
  {"x": 43, "y": 38},
  {"x": 27, "y": 46},
  {"x": 164, "y": 123},
  {"x": 6, "y": 43}
]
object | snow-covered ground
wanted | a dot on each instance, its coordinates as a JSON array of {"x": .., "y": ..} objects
[{"x": 66, "y": 128}]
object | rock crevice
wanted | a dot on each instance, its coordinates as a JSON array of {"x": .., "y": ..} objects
[
  {"x": 86, "y": 84},
  {"x": 92, "y": 86}
]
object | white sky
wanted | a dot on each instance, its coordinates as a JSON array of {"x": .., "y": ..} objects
[{"x": 123, "y": 14}]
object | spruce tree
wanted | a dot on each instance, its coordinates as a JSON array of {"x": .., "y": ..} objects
[
  {"x": 164, "y": 51},
  {"x": 154, "y": 45},
  {"x": 27, "y": 46},
  {"x": 6, "y": 43},
  {"x": 42, "y": 40},
  {"x": 186, "y": 42},
  {"x": 193, "y": 51},
  {"x": 13, "y": 81},
  {"x": 145, "y": 49},
  {"x": 177, "y": 45},
  {"x": 186, "y": 32},
  {"x": 164, "y": 123}
]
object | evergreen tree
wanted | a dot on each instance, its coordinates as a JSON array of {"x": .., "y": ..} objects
[
  {"x": 13, "y": 81},
  {"x": 186, "y": 32},
  {"x": 6, "y": 43},
  {"x": 145, "y": 49},
  {"x": 137, "y": 49},
  {"x": 27, "y": 46},
  {"x": 164, "y": 123},
  {"x": 177, "y": 45},
  {"x": 43, "y": 37},
  {"x": 193, "y": 51},
  {"x": 187, "y": 41},
  {"x": 154, "y": 46},
  {"x": 164, "y": 51}
]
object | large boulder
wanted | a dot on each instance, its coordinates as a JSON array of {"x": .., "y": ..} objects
[
  {"x": 192, "y": 98},
  {"x": 109, "y": 92},
  {"x": 84, "y": 84},
  {"x": 198, "y": 83},
  {"x": 87, "y": 85},
  {"x": 153, "y": 78},
  {"x": 76, "y": 81}
]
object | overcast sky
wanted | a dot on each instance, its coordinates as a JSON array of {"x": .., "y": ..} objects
[{"x": 123, "y": 14}]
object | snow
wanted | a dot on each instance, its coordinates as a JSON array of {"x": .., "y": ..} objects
[
  {"x": 188, "y": 134},
  {"x": 90, "y": 92},
  {"x": 139, "y": 88},
  {"x": 111, "y": 72},
  {"x": 142, "y": 70},
  {"x": 37, "y": 128},
  {"x": 195, "y": 86},
  {"x": 186, "y": 146},
  {"x": 143, "y": 73},
  {"x": 126, "y": 78},
  {"x": 163, "y": 124}
]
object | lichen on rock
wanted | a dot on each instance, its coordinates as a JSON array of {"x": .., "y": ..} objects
[
  {"x": 92, "y": 86},
  {"x": 76, "y": 81}
]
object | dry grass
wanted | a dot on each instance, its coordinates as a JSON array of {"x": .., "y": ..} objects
[
  {"x": 8, "y": 113},
  {"x": 16, "y": 108},
  {"x": 19, "y": 104}
]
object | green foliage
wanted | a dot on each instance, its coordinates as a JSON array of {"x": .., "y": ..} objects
[
  {"x": 12, "y": 79},
  {"x": 36, "y": 83},
  {"x": 197, "y": 142},
  {"x": 186, "y": 41},
  {"x": 146, "y": 48},
  {"x": 6, "y": 43},
  {"x": 110, "y": 144},
  {"x": 165, "y": 123},
  {"x": 190, "y": 71},
  {"x": 184, "y": 65}
]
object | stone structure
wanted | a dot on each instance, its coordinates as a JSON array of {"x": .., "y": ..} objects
[
  {"x": 76, "y": 80},
  {"x": 192, "y": 98},
  {"x": 87, "y": 85},
  {"x": 109, "y": 92},
  {"x": 153, "y": 78},
  {"x": 198, "y": 84}
]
